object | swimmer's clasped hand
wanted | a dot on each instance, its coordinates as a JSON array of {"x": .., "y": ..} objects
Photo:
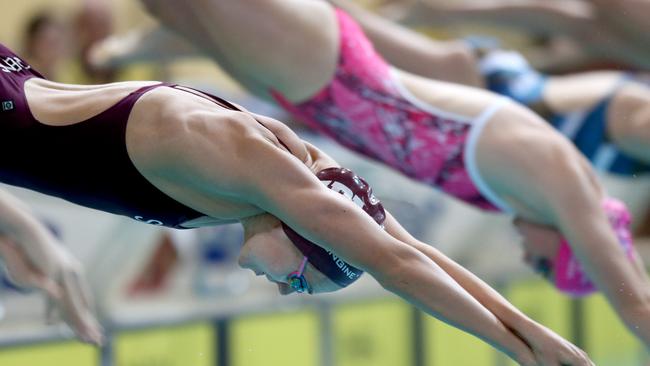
[{"x": 64, "y": 285}]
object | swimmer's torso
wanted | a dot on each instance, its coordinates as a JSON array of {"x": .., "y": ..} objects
[
  {"x": 74, "y": 143},
  {"x": 199, "y": 142}
]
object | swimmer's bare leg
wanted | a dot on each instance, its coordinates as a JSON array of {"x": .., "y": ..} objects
[
  {"x": 288, "y": 45},
  {"x": 452, "y": 61},
  {"x": 629, "y": 120}
]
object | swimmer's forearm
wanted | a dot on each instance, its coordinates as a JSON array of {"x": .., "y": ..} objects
[
  {"x": 157, "y": 44},
  {"x": 427, "y": 286},
  {"x": 413, "y": 52},
  {"x": 545, "y": 17},
  {"x": 161, "y": 42},
  {"x": 637, "y": 321},
  {"x": 492, "y": 300},
  {"x": 336, "y": 223},
  {"x": 481, "y": 291},
  {"x": 16, "y": 220},
  {"x": 626, "y": 286},
  {"x": 18, "y": 223},
  {"x": 636, "y": 316}
]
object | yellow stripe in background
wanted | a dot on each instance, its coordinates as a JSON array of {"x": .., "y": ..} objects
[
  {"x": 607, "y": 340},
  {"x": 445, "y": 345},
  {"x": 66, "y": 353},
  {"x": 278, "y": 339},
  {"x": 184, "y": 345},
  {"x": 373, "y": 334}
]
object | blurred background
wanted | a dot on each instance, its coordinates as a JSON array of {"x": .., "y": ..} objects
[{"x": 177, "y": 298}]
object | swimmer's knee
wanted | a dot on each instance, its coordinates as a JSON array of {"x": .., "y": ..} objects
[
  {"x": 520, "y": 114},
  {"x": 463, "y": 63},
  {"x": 639, "y": 124},
  {"x": 629, "y": 116}
]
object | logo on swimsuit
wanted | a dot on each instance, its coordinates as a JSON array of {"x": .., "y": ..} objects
[
  {"x": 150, "y": 222},
  {"x": 13, "y": 64},
  {"x": 7, "y": 105}
]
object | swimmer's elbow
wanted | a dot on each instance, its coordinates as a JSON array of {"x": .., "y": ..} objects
[{"x": 401, "y": 269}]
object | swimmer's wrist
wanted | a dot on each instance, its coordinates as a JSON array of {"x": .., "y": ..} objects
[
  {"x": 513, "y": 346},
  {"x": 512, "y": 317},
  {"x": 522, "y": 323},
  {"x": 525, "y": 327}
]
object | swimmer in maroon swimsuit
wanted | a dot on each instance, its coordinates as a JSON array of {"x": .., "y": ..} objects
[{"x": 168, "y": 155}]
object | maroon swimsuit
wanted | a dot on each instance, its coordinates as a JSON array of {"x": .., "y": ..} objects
[{"x": 85, "y": 163}]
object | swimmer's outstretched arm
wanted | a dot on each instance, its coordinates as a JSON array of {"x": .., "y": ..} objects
[
  {"x": 141, "y": 45},
  {"x": 536, "y": 16},
  {"x": 626, "y": 286},
  {"x": 35, "y": 258},
  {"x": 543, "y": 341},
  {"x": 416, "y": 53},
  {"x": 289, "y": 191}
]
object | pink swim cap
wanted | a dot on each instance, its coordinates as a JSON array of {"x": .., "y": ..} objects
[{"x": 570, "y": 277}]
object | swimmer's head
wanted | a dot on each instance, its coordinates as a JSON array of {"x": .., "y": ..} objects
[
  {"x": 540, "y": 246},
  {"x": 355, "y": 188},
  {"x": 267, "y": 251},
  {"x": 551, "y": 255}
]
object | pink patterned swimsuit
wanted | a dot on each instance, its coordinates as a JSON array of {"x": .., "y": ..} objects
[{"x": 365, "y": 108}]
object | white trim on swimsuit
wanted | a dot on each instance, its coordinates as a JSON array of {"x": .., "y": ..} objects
[
  {"x": 470, "y": 155},
  {"x": 406, "y": 94}
]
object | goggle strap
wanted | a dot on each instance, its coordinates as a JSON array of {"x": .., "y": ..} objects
[{"x": 302, "y": 266}]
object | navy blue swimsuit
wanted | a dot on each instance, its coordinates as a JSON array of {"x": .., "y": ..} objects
[
  {"x": 588, "y": 131},
  {"x": 85, "y": 163}
]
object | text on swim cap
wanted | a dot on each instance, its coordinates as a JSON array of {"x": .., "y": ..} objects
[{"x": 343, "y": 266}]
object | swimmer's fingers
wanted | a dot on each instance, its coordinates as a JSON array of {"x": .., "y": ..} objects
[
  {"x": 66, "y": 288},
  {"x": 551, "y": 349},
  {"x": 22, "y": 272},
  {"x": 77, "y": 305},
  {"x": 569, "y": 355}
]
